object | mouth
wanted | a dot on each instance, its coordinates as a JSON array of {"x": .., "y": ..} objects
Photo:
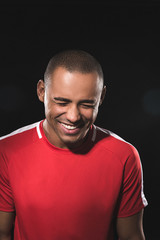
[{"x": 70, "y": 129}]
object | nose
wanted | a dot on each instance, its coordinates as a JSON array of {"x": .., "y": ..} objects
[{"x": 73, "y": 114}]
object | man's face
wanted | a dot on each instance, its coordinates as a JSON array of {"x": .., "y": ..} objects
[{"x": 71, "y": 101}]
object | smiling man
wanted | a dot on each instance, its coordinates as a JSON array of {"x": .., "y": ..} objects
[
  {"x": 71, "y": 101},
  {"x": 64, "y": 178}
]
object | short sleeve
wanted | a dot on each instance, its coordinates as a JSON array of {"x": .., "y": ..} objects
[
  {"x": 6, "y": 198},
  {"x": 132, "y": 198}
]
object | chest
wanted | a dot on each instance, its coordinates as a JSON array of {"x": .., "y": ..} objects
[{"x": 72, "y": 184}]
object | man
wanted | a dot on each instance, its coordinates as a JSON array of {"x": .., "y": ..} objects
[{"x": 64, "y": 178}]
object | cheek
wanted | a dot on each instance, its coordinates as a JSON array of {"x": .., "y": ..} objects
[
  {"x": 90, "y": 115},
  {"x": 95, "y": 112},
  {"x": 48, "y": 110},
  {"x": 51, "y": 109}
]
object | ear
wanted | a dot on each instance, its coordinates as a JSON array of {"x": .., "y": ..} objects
[
  {"x": 41, "y": 90},
  {"x": 103, "y": 94}
]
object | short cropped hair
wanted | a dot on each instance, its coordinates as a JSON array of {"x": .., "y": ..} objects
[{"x": 73, "y": 60}]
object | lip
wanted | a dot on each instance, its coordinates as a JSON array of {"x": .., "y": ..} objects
[{"x": 67, "y": 131}]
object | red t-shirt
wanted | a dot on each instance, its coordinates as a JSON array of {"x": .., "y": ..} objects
[{"x": 61, "y": 194}]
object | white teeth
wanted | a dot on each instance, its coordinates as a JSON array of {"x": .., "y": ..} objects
[{"x": 68, "y": 126}]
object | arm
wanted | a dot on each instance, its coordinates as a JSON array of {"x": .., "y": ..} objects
[
  {"x": 131, "y": 228},
  {"x": 6, "y": 225}
]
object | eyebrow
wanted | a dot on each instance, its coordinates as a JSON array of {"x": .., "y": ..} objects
[
  {"x": 61, "y": 99},
  {"x": 68, "y": 100}
]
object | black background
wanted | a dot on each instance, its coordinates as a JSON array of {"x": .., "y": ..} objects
[{"x": 124, "y": 36}]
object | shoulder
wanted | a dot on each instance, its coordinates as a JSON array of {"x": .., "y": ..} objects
[
  {"x": 115, "y": 144},
  {"x": 20, "y": 136}
]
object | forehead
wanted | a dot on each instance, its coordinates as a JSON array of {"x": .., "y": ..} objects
[{"x": 64, "y": 79}]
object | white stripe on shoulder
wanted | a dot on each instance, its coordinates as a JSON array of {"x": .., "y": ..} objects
[
  {"x": 107, "y": 132},
  {"x": 144, "y": 200},
  {"x": 110, "y": 133},
  {"x": 23, "y": 129},
  {"x": 94, "y": 133}
]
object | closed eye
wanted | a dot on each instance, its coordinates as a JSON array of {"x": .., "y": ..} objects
[
  {"x": 87, "y": 106},
  {"x": 61, "y": 101},
  {"x": 87, "y": 103},
  {"x": 63, "y": 104}
]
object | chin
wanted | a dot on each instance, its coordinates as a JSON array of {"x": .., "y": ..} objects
[{"x": 72, "y": 142}]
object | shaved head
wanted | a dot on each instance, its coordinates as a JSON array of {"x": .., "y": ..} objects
[{"x": 73, "y": 61}]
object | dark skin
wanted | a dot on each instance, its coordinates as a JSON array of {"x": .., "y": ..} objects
[
  {"x": 6, "y": 225},
  {"x": 131, "y": 228},
  {"x": 75, "y": 110}
]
